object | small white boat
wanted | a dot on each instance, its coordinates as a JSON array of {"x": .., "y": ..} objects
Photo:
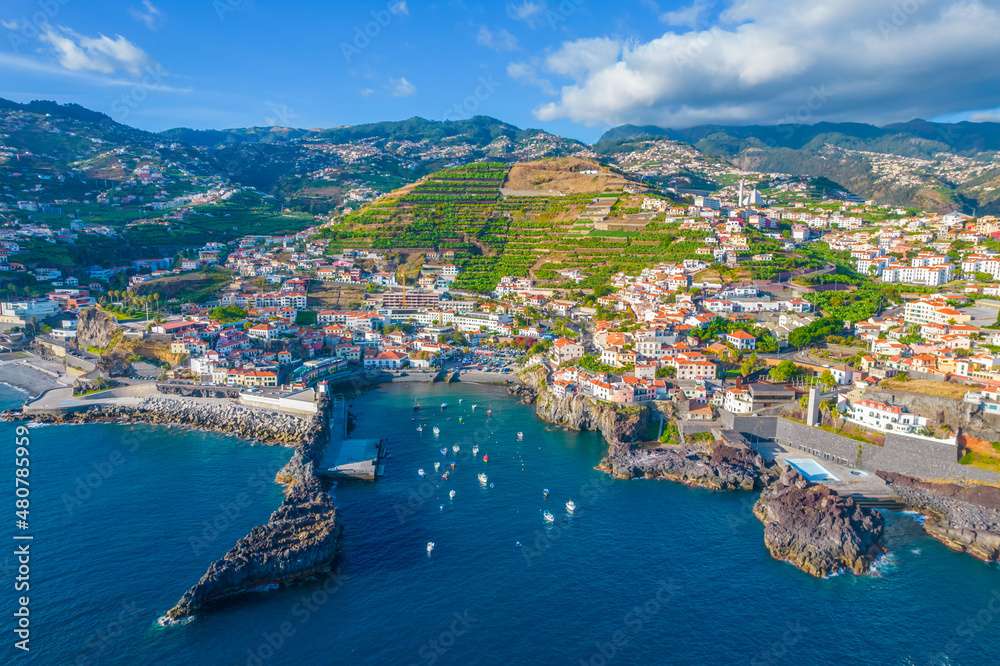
[
  {"x": 460, "y": 420},
  {"x": 436, "y": 431},
  {"x": 437, "y": 466},
  {"x": 545, "y": 493},
  {"x": 444, "y": 451},
  {"x": 451, "y": 494},
  {"x": 475, "y": 449},
  {"x": 420, "y": 428},
  {"x": 420, "y": 472},
  {"x": 489, "y": 412},
  {"x": 460, "y": 400},
  {"x": 474, "y": 406},
  {"x": 520, "y": 436},
  {"x": 570, "y": 506},
  {"x": 430, "y": 547},
  {"x": 483, "y": 479},
  {"x": 444, "y": 405},
  {"x": 548, "y": 517},
  {"x": 456, "y": 448}
]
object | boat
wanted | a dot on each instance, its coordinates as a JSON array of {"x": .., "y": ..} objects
[
  {"x": 416, "y": 407},
  {"x": 437, "y": 466},
  {"x": 430, "y": 547},
  {"x": 483, "y": 479},
  {"x": 570, "y": 506},
  {"x": 420, "y": 428},
  {"x": 548, "y": 517},
  {"x": 475, "y": 449},
  {"x": 460, "y": 400},
  {"x": 436, "y": 431},
  {"x": 545, "y": 493},
  {"x": 444, "y": 451},
  {"x": 451, "y": 494},
  {"x": 456, "y": 448},
  {"x": 444, "y": 405},
  {"x": 474, "y": 406},
  {"x": 460, "y": 420},
  {"x": 453, "y": 467},
  {"x": 520, "y": 436},
  {"x": 420, "y": 472},
  {"x": 444, "y": 477},
  {"x": 489, "y": 412}
]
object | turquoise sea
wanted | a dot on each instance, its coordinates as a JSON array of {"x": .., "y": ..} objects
[{"x": 126, "y": 518}]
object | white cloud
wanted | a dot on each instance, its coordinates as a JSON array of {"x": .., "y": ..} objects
[
  {"x": 401, "y": 87},
  {"x": 400, "y": 8},
  {"x": 584, "y": 56},
  {"x": 366, "y": 92},
  {"x": 689, "y": 16},
  {"x": 10, "y": 24},
  {"x": 498, "y": 40},
  {"x": 148, "y": 14},
  {"x": 11, "y": 62},
  {"x": 107, "y": 55},
  {"x": 773, "y": 61},
  {"x": 527, "y": 73},
  {"x": 528, "y": 11}
]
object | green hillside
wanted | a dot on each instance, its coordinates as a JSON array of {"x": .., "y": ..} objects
[{"x": 462, "y": 211}]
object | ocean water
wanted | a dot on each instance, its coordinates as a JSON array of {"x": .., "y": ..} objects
[{"x": 643, "y": 573}]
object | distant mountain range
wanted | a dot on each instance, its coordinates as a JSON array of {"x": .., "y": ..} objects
[{"x": 918, "y": 163}]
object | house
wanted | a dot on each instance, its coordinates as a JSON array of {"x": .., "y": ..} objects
[
  {"x": 742, "y": 340},
  {"x": 565, "y": 349}
]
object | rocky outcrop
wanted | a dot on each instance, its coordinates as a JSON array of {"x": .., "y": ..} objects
[
  {"x": 617, "y": 423},
  {"x": 299, "y": 539},
  {"x": 818, "y": 530},
  {"x": 298, "y": 542},
  {"x": 965, "y": 518},
  {"x": 95, "y": 328},
  {"x": 716, "y": 465}
]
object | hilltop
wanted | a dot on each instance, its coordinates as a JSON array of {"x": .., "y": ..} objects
[{"x": 939, "y": 166}]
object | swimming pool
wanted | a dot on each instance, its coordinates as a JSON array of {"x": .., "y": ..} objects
[{"x": 811, "y": 469}]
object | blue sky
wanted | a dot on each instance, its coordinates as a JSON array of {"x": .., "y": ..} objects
[{"x": 575, "y": 67}]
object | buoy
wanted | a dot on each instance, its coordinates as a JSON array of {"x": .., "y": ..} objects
[{"x": 486, "y": 457}]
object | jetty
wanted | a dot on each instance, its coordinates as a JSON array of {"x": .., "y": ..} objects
[{"x": 346, "y": 458}]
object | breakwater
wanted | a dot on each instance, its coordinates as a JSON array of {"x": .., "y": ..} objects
[{"x": 299, "y": 539}]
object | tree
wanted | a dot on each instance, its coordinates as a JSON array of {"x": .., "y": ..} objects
[
  {"x": 785, "y": 371},
  {"x": 827, "y": 380},
  {"x": 748, "y": 366}
]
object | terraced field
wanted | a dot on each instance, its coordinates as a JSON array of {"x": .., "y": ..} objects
[{"x": 462, "y": 210}]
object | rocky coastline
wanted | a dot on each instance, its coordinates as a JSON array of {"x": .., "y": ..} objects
[
  {"x": 816, "y": 529},
  {"x": 617, "y": 423},
  {"x": 966, "y": 518},
  {"x": 300, "y": 538},
  {"x": 712, "y": 465}
]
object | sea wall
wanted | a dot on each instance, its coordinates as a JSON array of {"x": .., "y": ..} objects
[{"x": 905, "y": 455}]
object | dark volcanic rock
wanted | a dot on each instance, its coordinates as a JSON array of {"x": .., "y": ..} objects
[
  {"x": 717, "y": 466},
  {"x": 817, "y": 529},
  {"x": 965, "y": 518},
  {"x": 299, "y": 541}
]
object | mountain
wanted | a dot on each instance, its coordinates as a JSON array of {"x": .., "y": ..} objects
[{"x": 938, "y": 166}]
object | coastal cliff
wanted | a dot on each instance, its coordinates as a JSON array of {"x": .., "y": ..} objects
[
  {"x": 966, "y": 518},
  {"x": 617, "y": 423},
  {"x": 818, "y": 530},
  {"x": 714, "y": 465}
]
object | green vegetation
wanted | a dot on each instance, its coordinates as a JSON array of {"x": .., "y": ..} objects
[
  {"x": 814, "y": 332},
  {"x": 227, "y": 314},
  {"x": 785, "y": 371}
]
